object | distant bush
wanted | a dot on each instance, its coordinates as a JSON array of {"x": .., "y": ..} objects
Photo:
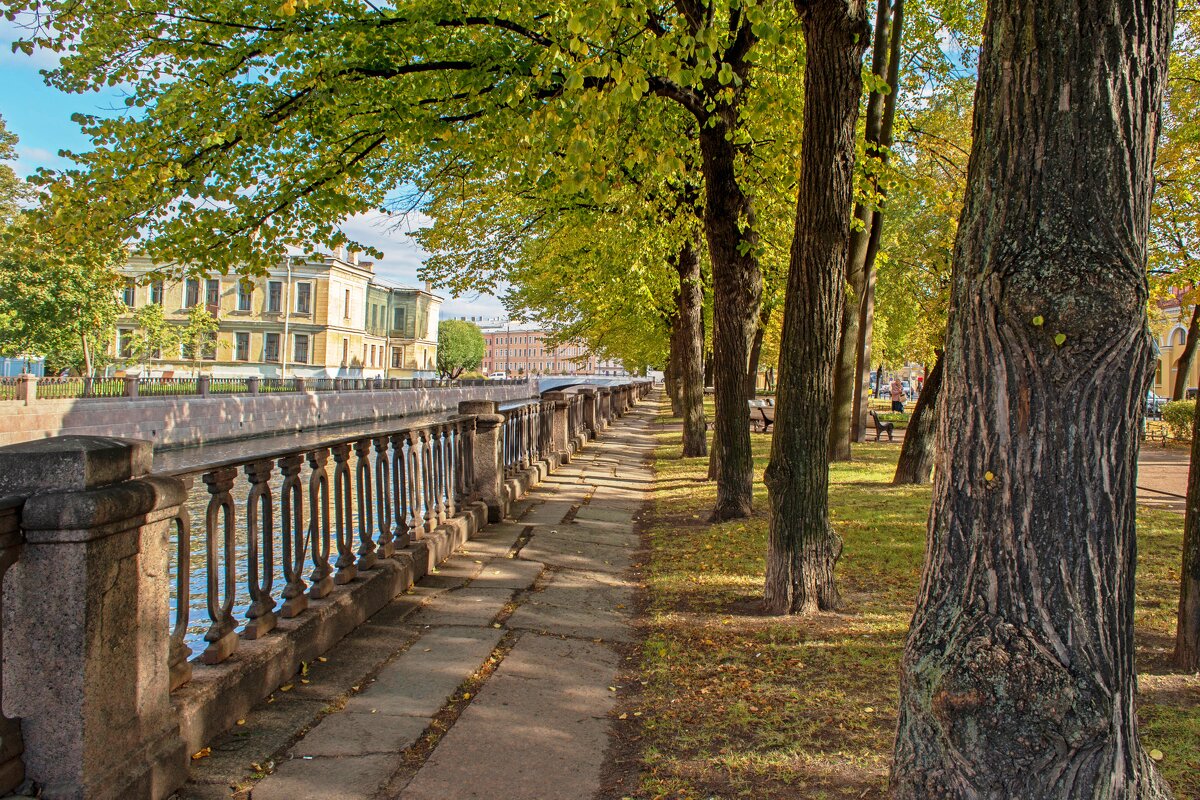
[{"x": 1178, "y": 416}]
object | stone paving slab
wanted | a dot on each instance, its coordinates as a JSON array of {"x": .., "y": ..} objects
[
  {"x": 505, "y": 573},
  {"x": 418, "y": 681},
  {"x": 353, "y": 778},
  {"x": 355, "y": 734},
  {"x": 578, "y": 554},
  {"x": 605, "y": 513},
  {"x": 469, "y": 606},
  {"x": 537, "y": 729},
  {"x": 595, "y": 533}
]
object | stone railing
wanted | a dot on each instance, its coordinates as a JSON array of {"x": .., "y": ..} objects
[
  {"x": 145, "y": 612},
  {"x": 30, "y": 388}
]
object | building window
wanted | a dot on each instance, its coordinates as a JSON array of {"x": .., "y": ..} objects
[
  {"x": 191, "y": 293},
  {"x": 347, "y": 305},
  {"x": 241, "y": 346},
  {"x": 303, "y": 298},
  {"x": 274, "y": 297},
  {"x": 398, "y": 319},
  {"x": 208, "y": 349},
  {"x": 300, "y": 350},
  {"x": 1178, "y": 338},
  {"x": 373, "y": 356},
  {"x": 124, "y": 342},
  {"x": 271, "y": 347},
  {"x": 345, "y": 352},
  {"x": 245, "y": 293},
  {"x": 129, "y": 296},
  {"x": 212, "y": 294},
  {"x": 374, "y": 317},
  {"x": 156, "y": 293},
  {"x": 397, "y": 357}
]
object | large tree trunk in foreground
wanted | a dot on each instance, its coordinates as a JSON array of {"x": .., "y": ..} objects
[
  {"x": 803, "y": 547},
  {"x": 840, "y": 426},
  {"x": 1183, "y": 368},
  {"x": 690, "y": 360},
  {"x": 737, "y": 291},
  {"x": 916, "y": 454},
  {"x": 1187, "y": 626},
  {"x": 1018, "y": 676}
]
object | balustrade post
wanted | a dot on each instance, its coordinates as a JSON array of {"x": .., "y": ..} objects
[
  {"x": 27, "y": 387},
  {"x": 260, "y": 551},
  {"x": 343, "y": 515},
  {"x": 12, "y": 768},
  {"x": 366, "y": 514},
  {"x": 605, "y": 406},
  {"x": 560, "y": 436},
  {"x": 383, "y": 498},
  {"x": 291, "y": 502},
  {"x": 202, "y": 385},
  {"x": 253, "y": 384},
  {"x": 318, "y": 524},
  {"x": 131, "y": 385},
  {"x": 486, "y": 464},
  {"x": 87, "y": 628},
  {"x": 591, "y": 398}
]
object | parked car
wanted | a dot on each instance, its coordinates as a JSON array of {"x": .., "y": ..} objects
[
  {"x": 1154, "y": 404},
  {"x": 497, "y": 376}
]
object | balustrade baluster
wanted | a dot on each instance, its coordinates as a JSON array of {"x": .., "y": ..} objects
[
  {"x": 343, "y": 515},
  {"x": 222, "y": 633},
  {"x": 400, "y": 490},
  {"x": 291, "y": 502},
  {"x": 415, "y": 483},
  {"x": 179, "y": 653},
  {"x": 260, "y": 551},
  {"x": 427, "y": 476},
  {"x": 441, "y": 451},
  {"x": 454, "y": 460},
  {"x": 383, "y": 497},
  {"x": 318, "y": 524},
  {"x": 366, "y": 515}
]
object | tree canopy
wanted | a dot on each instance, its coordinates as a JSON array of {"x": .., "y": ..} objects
[{"x": 460, "y": 347}]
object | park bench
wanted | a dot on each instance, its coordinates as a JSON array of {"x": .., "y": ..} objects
[{"x": 881, "y": 427}]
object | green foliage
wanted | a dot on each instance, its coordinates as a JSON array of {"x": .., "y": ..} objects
[
  {"x": 460, "y": 347},
  {"x": 12, "y": 189},
  {"x": 199, "y": 336},
  {"x": 54, "y": 302},
  {"x": 154, "y": 336},
  {"x": 1178, "y": 416}
]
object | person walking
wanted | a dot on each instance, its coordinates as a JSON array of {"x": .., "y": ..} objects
[{"x": 896, "y": 390}]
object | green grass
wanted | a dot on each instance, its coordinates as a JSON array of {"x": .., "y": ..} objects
[{"x": 740, "y": 705}]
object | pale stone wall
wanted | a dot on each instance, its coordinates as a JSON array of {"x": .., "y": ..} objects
[{"x": 192, "y": 420}]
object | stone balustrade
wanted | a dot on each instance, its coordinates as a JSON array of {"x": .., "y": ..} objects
[{"x": 144, "y": 613}]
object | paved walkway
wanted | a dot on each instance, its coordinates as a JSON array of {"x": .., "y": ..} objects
[
  {"x": 1162, "y": 476},
  {"x": 495, "y": 678}
]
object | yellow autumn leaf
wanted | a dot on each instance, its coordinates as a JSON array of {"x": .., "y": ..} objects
[
  {"x": 1156, "y": 754},
  {"x": 204, "y": 753}
]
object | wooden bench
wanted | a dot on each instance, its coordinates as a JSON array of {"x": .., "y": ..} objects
[{"x": 881, "y": 427}]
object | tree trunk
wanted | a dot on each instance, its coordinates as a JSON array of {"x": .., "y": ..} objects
[
  {"x": 1184, "y": 364},
  {"x": 690, "y": 358},
  {"x": 1187, "y": 627},
  {"x": 755, "y": 355},
  {"x": 866, "y": 307},
  {"x": 840, "y": 426},
  {"x": 916, "y": 454},
  {"x": 803, "y": 547},
  {"x": 1018, "y": 675},
  {"x": 87, "y": 354},
  {"x": 737, "y": 292},
  {"x": 671, "y": 373}
]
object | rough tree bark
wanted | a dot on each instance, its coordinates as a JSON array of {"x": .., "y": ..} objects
[
  {"x": 803, "y": 547},
  {"x": 690, "y": 360},
  {"x": 917, "y": 452},
  {"x": 843, "y": 386},
  {"x": 737, "y": 292},
  {"x": 1018, "y": 675},
  {"x": 671, "y": 373},
  {"x": 1183, "y": 367},
  {"x": 1187, "y": 626}
]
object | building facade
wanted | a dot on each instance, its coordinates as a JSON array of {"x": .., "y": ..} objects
[
  {"x": 518, "y": 349},
  {"x": 1168, "y": 324},
  {"x": 326, "y": 316}
]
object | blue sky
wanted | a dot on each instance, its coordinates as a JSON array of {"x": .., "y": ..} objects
[{"x": 41, "y": 117}]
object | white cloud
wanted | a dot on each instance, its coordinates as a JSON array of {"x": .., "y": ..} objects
[{"x": 402, "y": 258}]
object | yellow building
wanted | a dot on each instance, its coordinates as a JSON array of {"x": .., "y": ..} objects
[
  {"x": 1168, "y": 324},
  {"x": 307, "y": 318}
]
